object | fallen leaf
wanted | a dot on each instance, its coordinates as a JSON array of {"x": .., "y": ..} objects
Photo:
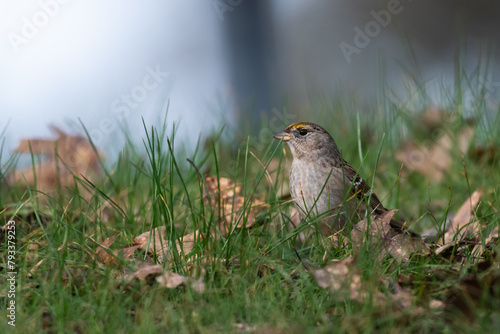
[
  {"x": 172, "y": 280},
  {"x": 434, "y": 117},
  {"x": 64, "y": 157},
  {"x": 343, "y": 278},
  {"x": 493, "y": 236},
  {"x": 432, "y": 161},
  {"x": 165, "y": 278},
  {"x": 385, "y": 239},
  {"x": 234, "y": 213},
  {"x": 108, "y": 257},
  {"x": 453, "y": 251},
  {"x": 337, "y": 274},
  {"x": 102, "y": 251},
  {"x": 265, "y": 269},
  {"x": 157, "y": 244},
  {"x": 378, "y": 227},
  {"x": 437, "y": 304},
  {"x": 461, "y": 226},
  {"x": 184, "y": 246},
  {"x": 146, "y": 273},
  {"x": 127, "y": 252},
  {"x": 222, "y": 186},
  {"x": 229, "y": 205},
  {"x": 401, "y": 246},
  {"x": 490, "y": 241},
  {"x": 160, "y": 245},
  {"x": 402, "y": 297}
]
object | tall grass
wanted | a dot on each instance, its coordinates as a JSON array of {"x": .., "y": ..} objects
[{"x": 257, "y": 279}]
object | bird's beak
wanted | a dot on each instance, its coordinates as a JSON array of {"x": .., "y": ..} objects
[{"x": 282, "y": 136}]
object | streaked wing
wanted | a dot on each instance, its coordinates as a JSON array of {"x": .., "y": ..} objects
[{"x": 363, "y": 190}]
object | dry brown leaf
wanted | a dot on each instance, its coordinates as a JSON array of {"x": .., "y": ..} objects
[
  {"x": 401, "y": 246},
  {"x": 493, "y": 236},
  {"x": 433, "y": 161},
  {"x": 379, "y": 226},
  {"x": 156, "y": 245},
  {"x": 64, "y": 156},
  {"x": 228, "y": 189},
  {"x": 436, "y": 304},
  {"x": 172, "y": 280},
  {"x": 343, "y": 278},
  {"x": 167, "y": 279},
  {"x": 402, "y": 297},
  {"x": 232, "y": 206},
  {"x": 378, "y": 229},
  {"x": 233, "y": 214},
  {"x": 144, "y": 273},
  {"x": 334, "y": 275},
  {"x": 265, "y": 269},
  {"x": 490, "y": 240},
  {"x": 134, "y": 264},
  {"x": 159, "y": 245},
  {"x": 102, "y": 251},
  {"x": 184, "y": 246},
  {"x": 127, "y": 252},
  {"x": 434, "y": 117},
  {"x": 385, "y": 239},
  {"x": 108, "y": 242},
  {"x": 461, "y": 226}
]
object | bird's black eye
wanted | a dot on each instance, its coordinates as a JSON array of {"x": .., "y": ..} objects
[{"x": 303, "y": 132}]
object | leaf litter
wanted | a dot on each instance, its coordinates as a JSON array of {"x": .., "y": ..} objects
[
  {"x": 63, "y": 158},
  {"x": 344, "y": 279},
  {"x": 233, "y": 211}
]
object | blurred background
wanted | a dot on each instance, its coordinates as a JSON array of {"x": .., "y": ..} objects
[{"x": 221, "y": 62}]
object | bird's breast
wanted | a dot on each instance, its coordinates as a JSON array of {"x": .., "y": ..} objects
[{"x": 315, "y": 188}]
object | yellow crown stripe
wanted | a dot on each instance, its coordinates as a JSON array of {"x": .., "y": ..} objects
[{"x": 297, "y": 125}]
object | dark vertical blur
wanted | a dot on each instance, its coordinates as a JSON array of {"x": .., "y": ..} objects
[
  {"x": 292, "y": 48},
  {"x": 248, "y": 33}
]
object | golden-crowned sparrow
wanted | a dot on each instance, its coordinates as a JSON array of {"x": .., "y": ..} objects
[{"x": 321, "y": 181}]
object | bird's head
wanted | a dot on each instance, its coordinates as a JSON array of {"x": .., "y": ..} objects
[{"x": 308, "y": 141}]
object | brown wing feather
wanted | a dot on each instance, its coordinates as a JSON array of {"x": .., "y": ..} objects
[{"x": 363, "y": 190}]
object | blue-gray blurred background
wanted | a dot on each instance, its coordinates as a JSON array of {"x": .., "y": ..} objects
[{"x": 222, "y": 61}]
